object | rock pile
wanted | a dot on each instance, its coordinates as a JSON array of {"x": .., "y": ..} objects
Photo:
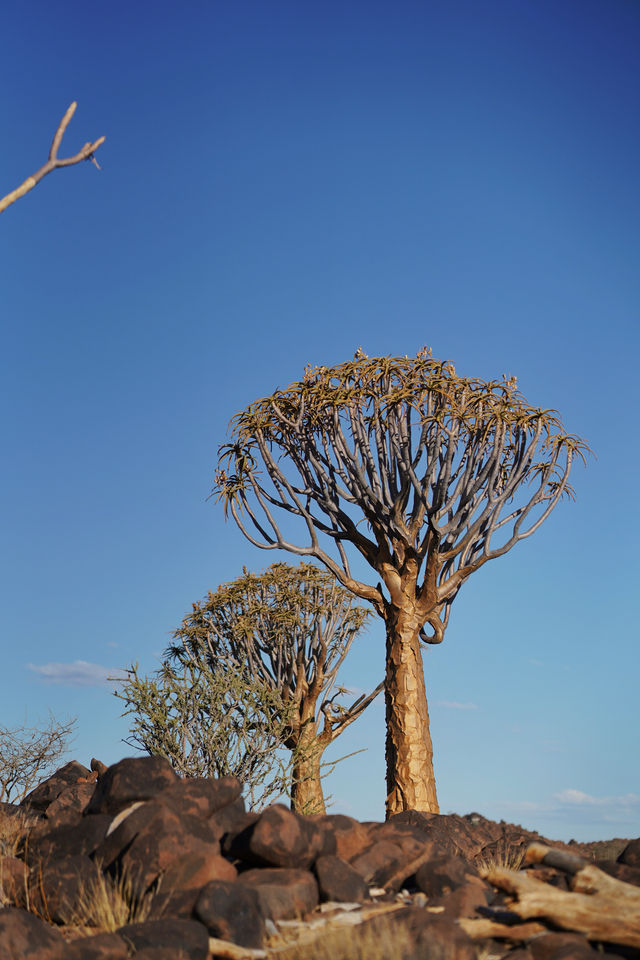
[{"x": 197, "y": 877}]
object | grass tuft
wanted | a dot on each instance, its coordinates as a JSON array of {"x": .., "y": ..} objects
[{"x": 364, "y": 941}]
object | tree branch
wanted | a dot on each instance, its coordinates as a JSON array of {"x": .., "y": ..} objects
[{"x": 86, "y": 153}]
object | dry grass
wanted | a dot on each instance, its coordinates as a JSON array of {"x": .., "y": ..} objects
[
  {"x": 508, "y": 858},
  {"x": 14, "y": 829},
  {"x": 381, "y": 940},
  {"x": 109, "y": 903}
]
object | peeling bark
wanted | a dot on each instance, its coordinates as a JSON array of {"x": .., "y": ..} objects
[{"x": 411, "y": 782}]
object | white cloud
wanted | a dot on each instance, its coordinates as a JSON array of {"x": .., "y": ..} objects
[
  {"x": 80, "y": 673},
  {"x": 456, "y": 705},
  {"x": 578, "y": 807}
]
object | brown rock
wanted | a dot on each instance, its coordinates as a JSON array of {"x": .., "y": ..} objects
[
  {"x": 630, "y": 856},
  {"x": 231, "y": 911},
  {"x": 202, "y": 797},
  {"x": 132, "y": 779},
  {"x": 350, "y": 836},
  {"x": 561, "y": 946},
  {"x": 441, "y": 874},
  {"x": 193, "y": 870},
  {"x": 102, "y": 946},
  {"x": 164, "y": 839},
  {"x": 379, "y": 862},
  {"x": 55, "y": 890},
  {"x": 13, "y": 880},
  {"x": 24, "y": 936},
  {"x": 61, "y": 842},
  {"x": 337, "y": 880},
  {"x": 68, "y": 807},
  {"x": 189, "y": 936},
  {"x": 283, "y": 893},
  {"x": 279, "y": 838},
  {"x": 47, "y": 791}
]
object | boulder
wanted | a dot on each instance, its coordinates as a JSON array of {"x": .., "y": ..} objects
[
  {"x": 231, "y": 911},
  {"x": 202, "y": 797},
  {"x": 61, "y": 842},
  {"x": 188, "y": 936},
  {"x": 132, "y": 779},
  {"x": 339, "y": 881},
  {"x": 630, "y": 856},
  {"x": 283, "y": 893},
  {"x": 102, "y": 946},
  {"x": 47, "y": 791},
  {"x": 23, "y": 936},
  {"x": 279, "y": 838},
  {"x": 69, "y": 805},
  {"x": 55, "y": 890}
]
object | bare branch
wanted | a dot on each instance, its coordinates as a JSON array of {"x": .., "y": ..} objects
[{"x": 87, "y": 152}]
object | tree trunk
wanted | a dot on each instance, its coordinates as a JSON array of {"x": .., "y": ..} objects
[
  {"x": 306, "y": 789},
  {"x": 411, "y": 783}
]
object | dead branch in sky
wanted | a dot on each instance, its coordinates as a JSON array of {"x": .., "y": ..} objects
[{"x": 86, "y": 153}]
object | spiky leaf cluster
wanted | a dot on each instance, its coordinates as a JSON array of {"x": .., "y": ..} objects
[{"x": 447, "y": 471}]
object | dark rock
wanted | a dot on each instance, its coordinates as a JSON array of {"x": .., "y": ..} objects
[
  {"x": 191, "y": 871},
  {"x": 202, "y": 797},
  {"x": 121, "y": 831},
  {"x": 60, "y": 842},
  {"x": 620, "y": 871},
  {"x": 69, "y": 805},
  {"x": 279, "y": 838},
  {"x": 55, "y": 890},
  {"x": 631, "y": 854},
  {"x": 235, "y": 824},
  {"x": 284, "y": 893},
  {"x": 414, "y": 934},
  {"x": 47, "y": 791},
  {"x": 23, "y": 936},
  {"x": 132, "y": 779},
  {"x": 337, "y": 880},
  {"x": 561, "y": 946},
  {"x": 350, "y": 836},
  {"x": 102, "y": 946},
  {"x": 190, "y": 936},
  {"x": 231, "y": 911},
  {"x": 13, "y": 879},
  {"x": 442, "y": 874},
  {"x": 164, "y": 839},
  {"x": 379, "y": 862}
]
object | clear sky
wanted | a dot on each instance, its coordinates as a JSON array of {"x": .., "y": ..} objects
[{"x": 282, "y": 183}]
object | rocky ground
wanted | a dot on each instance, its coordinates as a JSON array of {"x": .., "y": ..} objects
[{"x": 131, "y": 861}]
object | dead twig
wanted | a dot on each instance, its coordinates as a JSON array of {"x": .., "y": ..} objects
[
  {"x": 598, "y": 905},
  {"x": 86, "y": 153}
]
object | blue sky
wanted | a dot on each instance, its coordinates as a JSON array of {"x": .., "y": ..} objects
[{"x": 281, "y": 184}]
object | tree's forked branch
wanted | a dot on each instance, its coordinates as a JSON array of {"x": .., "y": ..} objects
[{"x": 86, "y": 153}]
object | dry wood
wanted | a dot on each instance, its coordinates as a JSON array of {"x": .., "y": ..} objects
[
  {"x": 480, "y": 928},
  {"x": 86, "y": 153},
  {"x": 598, "y": 905}
]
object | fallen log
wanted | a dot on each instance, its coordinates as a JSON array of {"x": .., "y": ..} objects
[{"x": 599, "y": 906}]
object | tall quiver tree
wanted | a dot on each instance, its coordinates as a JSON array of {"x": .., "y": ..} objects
[
  {"x": 447, "y": 471},
  {"x": 289, "y": 628}
]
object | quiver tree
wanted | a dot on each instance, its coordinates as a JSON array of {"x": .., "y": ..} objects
[
  {"x": 289, "y": 629},
  {"x": 446, "y": 472},
  {"x": 211, "y": 724}
]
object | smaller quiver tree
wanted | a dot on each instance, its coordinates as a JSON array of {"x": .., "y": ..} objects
[
  {"x": 211, "y": 724},
  {"x": 288, "y": 629},
  {"x": 426, "y": 475}
]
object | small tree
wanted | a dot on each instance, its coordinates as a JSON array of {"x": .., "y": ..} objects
[
  {"x": 211, "y": 724},
  {"x": 428, "y": 475},
  {"x": 29, "y": 754},
  {"x": 289, "y": 630},
  {"x": 53, "y": 163}
]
